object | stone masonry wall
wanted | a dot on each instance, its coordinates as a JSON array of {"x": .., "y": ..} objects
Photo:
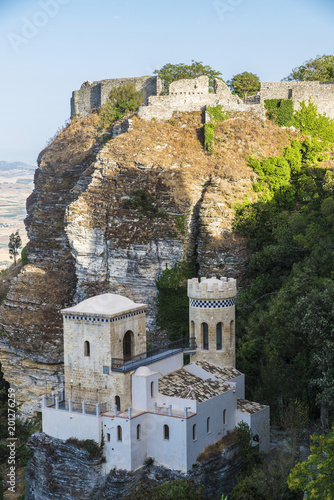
[
  {"x": 321, "y": 93},
  {"x": 186, "y": 96},
  {"x": 93, "y": 95}
]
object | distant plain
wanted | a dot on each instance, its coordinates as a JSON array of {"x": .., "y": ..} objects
[{"x": 16, "y": 184}]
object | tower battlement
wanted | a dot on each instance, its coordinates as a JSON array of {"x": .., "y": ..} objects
[{"x": 212, "y": 288}]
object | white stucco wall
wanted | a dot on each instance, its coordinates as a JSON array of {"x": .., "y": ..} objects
[
  {"x": 259, "y": 424},
  {"x": 214, "y": 409},
  {"x": 63, "y": 424},
  {"x": 168, "y": 365},
  {"x": 170, "y": 453},
  {"x": 141, "y": 390},
  {"x": 117, "y": 453}
]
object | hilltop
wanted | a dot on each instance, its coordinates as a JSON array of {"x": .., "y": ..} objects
[{"x": 84, "y": 238}]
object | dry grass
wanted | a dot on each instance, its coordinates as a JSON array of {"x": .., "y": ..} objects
[{"x": 219, "y": 446}]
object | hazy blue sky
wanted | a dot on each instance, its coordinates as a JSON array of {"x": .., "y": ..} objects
[{"x": 50, "y": 47}]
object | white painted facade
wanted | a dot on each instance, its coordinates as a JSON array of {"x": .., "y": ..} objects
[{"x": 172, "y": 411}]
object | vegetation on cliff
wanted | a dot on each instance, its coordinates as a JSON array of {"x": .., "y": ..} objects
[
  {"x": 122, "y": 99},
  {"x": 285, "y": 318}
]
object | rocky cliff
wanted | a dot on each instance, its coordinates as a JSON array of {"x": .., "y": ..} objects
[
  {"x": 110, "y": 215},
  {"x": 61, "y": 470}
]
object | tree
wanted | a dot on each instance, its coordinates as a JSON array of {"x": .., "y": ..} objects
[
  {"x": 315, "y": 476},
  {"x": 14, "y": 244},
  {"x": 244, "y": 83},
  {"x": 319, "y": 69},
  {"x": 172, "y": 72},
  {"x": 121, "y": 99}
]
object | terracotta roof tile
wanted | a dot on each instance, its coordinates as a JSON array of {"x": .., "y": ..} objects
[
  {"x": 184, "y": 385},
  {"x": 223, "y": 373},
  {"x": 249, "y": 407}
]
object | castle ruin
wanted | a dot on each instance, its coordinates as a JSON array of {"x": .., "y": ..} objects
[{"x": 194, "y": 95}]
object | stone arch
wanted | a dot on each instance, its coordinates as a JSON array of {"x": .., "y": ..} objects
[
  {"x": 166, "y": 432},
  {"x": 128, "y": 345},
  {"x": 219, "y": 336},
  {"x": 86, "y": 348},
  {"x": 232, "y": 334},
  {"x": 205, "y": 336},
  {"x": 192, "y": 329}
]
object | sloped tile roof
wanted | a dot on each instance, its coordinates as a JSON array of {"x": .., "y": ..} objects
[
  {"x": 249, "y": 407},
  {"x": 184, "y": 385},
  {"x": 223, "y": 373}
]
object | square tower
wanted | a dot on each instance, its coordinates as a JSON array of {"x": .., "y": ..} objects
[{"x": 98, "y": 331}]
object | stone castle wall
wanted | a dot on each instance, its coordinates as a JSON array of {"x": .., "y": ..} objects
[
  {"x": 193, "y": 95},
  {"x": 321, "y": 93},
  {"x": 186, "y": 96},
  {"x": 93, "y": 95}
]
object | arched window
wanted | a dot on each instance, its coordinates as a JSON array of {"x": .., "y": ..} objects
[
  {"x": 205, "y": 336},
  {"x": 224, "y": 417},
  {"x": 118, "y": 403},
  {"x": 86, "y": 348},
  {"x": 166, "y": 432},
  {"x": 219, "y": 328},
  {"x": 152, "y": 389},
  {"x": 138, "y": 431},
  {"x": 232, "y": 334},
  {"x": 208, "y": 424},
  {"x": 128, "y": 345},
  {"x": 192, "y": 329},
  {"x": 194, "y": 432},
  {"x": 119, "y": 433}
]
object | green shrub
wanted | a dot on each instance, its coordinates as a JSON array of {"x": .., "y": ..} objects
[
  {"x": 173, "y": 305},
  {"x": 216, "y": 113},
  {"x": 280, "y": 111},
  {"x": 209, "y": 137},
  {"x": 145, "y": 202},
  {"x": 121, "y": 99},
  {"x": 24, "y": 256},
  {"x": 89, "y": 445},
  {"x": 308, "y": 120}
]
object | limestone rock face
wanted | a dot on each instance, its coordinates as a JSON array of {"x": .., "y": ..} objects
[
  {"x": 109, "y": 215},
  {"x": 61, "y": 470}
]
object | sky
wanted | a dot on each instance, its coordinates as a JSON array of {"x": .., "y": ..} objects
[{"x": 48, "y": 48}]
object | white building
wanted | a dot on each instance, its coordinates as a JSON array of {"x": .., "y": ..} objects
[{"x": 149, "y": 404}]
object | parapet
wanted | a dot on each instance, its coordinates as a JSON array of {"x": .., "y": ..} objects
[{"x": 212, "y": 288}]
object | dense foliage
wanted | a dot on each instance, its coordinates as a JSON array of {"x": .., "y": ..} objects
[
  {"x": 173, "y": 72},
  {"x": 315, "y": 476},
  {"x": 209, "y": 137},
  {"x": 173, "y": 305},
  {"x": 177, "y": 489},
  {"x": 121, "y": 99},
  {"x": 244, "y": 83},
  {"x": 319, "y": 69},
  {"x": 286, "y": 317},
  {"x": 280, "y": 111},
  {"x": 217, "y": 113}
]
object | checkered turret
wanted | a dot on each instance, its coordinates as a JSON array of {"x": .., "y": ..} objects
[{"x": 212, "y": 319}]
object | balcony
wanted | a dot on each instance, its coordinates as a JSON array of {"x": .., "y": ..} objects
[{"x": 187, "y": 345}]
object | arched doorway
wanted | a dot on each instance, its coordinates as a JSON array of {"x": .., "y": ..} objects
[{"x": 128, "y": 345}]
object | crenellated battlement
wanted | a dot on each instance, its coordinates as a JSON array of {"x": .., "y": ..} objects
[{"x": 212, "y": 288}]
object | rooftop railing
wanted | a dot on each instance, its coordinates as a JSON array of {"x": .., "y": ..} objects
[{"x": 186, "y": 344}]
